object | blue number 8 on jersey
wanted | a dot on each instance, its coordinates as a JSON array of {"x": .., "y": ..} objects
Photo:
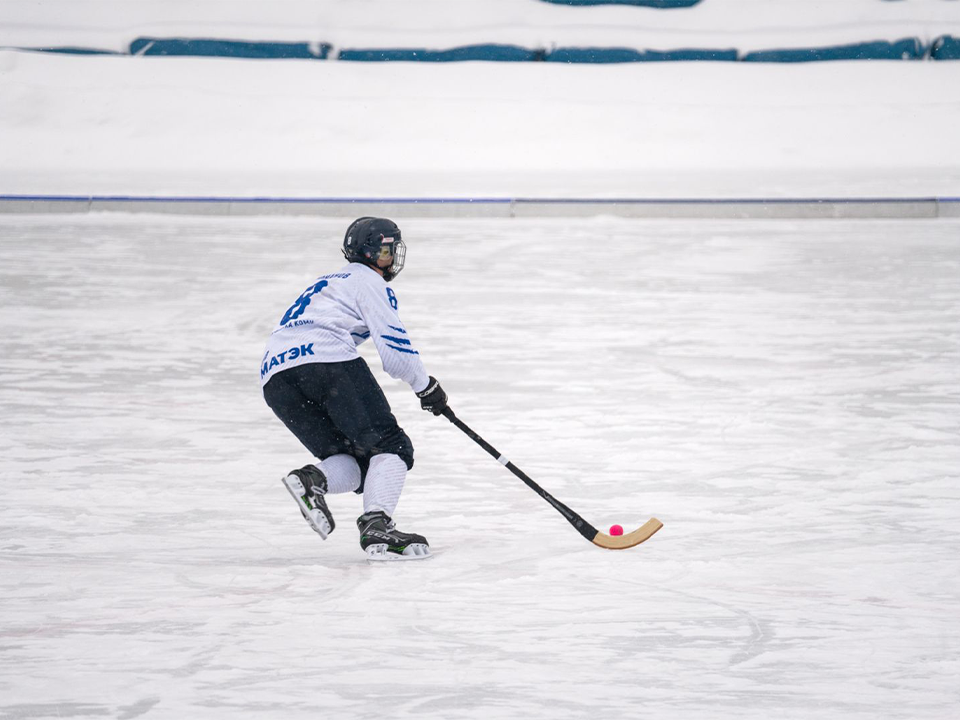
[{"x": 296, "y": 310}]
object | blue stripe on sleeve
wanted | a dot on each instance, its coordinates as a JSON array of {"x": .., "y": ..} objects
[
  {"x": 403, "y": 350},
  {"x": 399, "y": 341},
  {"x": 362, "y": 336},
  {"x": 399, "y": 330}
]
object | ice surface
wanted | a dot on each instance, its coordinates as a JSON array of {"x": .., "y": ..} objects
[{"x": 785, "y": 396}]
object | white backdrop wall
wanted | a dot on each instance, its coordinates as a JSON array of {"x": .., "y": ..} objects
[{"x": 744, "y": 24}]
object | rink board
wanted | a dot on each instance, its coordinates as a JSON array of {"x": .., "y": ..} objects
[{"x": 719, "y": 208}]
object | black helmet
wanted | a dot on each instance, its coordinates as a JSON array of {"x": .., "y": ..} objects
[{"x": 370, "y": 239}]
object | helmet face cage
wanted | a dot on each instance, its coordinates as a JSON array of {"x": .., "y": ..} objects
[{"x": 398, "y": 250}]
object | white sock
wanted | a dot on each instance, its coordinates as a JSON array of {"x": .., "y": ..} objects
[
  {"x": 343, "y": 473},
  {"x": 381, "y": 491}
]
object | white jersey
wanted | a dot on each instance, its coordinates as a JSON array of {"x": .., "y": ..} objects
[{"x": 333, "y": 316}]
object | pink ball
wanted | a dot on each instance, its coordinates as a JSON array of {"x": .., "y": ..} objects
[{"x": 616, "y": 530}]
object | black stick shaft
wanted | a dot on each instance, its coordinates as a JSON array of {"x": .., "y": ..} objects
[{"x": 582, "y": 526}]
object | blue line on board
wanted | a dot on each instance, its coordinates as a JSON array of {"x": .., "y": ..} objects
[
  {"x": 724, "y": 201},
  {"x": 211, "y": 199},
  {"x": 474, "y": 201}
]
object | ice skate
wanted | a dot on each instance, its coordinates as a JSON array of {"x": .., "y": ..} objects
[
  {"x": 381, "y": 541},
  {"x": 308, "y": 486}
]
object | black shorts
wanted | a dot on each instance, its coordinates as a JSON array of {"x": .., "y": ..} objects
[{"x": 338, "y": 408}]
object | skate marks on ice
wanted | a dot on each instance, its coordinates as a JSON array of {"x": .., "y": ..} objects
[{"x": 782, "y": 395}]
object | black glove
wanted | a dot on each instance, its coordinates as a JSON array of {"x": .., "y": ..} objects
[{"x": 432, "y": 397}]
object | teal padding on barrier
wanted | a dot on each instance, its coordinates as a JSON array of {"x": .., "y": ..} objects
[
  {"x": 625, "y": 55},
  {"x": 945, "y": 48},
  {"x": 907, "y": 49},
  {"x": 206, "y": 47},
  {"x": 665, "y": 4},
  {"x": 495, "y": 53}
]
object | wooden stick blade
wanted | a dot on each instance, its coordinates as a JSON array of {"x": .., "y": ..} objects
[{"x": 622, "y": 542}]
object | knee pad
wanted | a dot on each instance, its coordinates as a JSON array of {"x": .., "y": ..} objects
[
  {"x": 404, "y": 449},
  {"x": 394, "y": 442}
]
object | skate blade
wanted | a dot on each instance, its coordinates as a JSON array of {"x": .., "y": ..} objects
[
  {"x": 315, "y": 519},
  {"x": 416, "y": 551}
]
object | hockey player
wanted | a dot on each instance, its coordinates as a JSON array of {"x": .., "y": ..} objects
[{"x": 315, "y": 381}]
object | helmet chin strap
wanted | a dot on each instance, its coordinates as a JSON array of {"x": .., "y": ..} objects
[{"x": 386, "y": 272}]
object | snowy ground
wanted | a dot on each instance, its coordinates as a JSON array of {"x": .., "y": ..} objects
[
  {"x": 784, "y": 396},
  {"x": 188, "y": 126}
]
